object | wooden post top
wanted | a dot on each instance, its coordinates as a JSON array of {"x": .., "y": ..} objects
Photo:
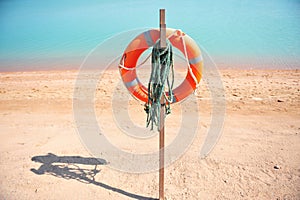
[
  {"x": 162, "y": 16},
  {"x": 162, "y": 28}
]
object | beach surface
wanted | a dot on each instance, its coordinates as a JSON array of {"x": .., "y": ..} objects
[{"x": 256, "y": 157}]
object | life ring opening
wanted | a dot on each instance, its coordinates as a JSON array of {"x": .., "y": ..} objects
[{"x": 180, "y": 67}]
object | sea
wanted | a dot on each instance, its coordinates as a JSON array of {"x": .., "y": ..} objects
[{"x": 45, "y": 35}]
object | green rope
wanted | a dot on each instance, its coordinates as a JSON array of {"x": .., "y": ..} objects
[{"x": 162, "y": 63}]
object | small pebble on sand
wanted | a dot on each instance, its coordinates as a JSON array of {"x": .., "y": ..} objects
[{"x": 276, "y": 167}]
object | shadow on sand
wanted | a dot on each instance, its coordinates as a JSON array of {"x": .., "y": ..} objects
[{"x": 67, "y": 167}]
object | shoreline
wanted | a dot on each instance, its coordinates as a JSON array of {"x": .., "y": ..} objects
[{"x": 116, "y": 69}]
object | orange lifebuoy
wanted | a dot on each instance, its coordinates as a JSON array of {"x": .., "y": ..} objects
[{"x": 146, "y": 40}]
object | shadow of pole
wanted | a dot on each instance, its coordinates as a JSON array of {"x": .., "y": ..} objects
[{"x": 67, "y": 167}]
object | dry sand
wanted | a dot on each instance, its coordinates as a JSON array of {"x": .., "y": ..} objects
[{"x": 257, "y": 156}]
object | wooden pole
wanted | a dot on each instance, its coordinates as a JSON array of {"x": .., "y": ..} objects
[
  {"x": 161, "y": 152},
  {"x": 162, "y": 27},
  {"x": 163, "y": 44}
]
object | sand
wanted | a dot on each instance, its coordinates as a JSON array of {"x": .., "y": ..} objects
[{"x": 257, "y": 156}]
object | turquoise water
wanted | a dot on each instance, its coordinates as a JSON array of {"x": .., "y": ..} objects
[{"x": 59, "y": 34}]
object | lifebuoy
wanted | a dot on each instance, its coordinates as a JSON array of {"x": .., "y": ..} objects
[{"x": 146, "y": 40}]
